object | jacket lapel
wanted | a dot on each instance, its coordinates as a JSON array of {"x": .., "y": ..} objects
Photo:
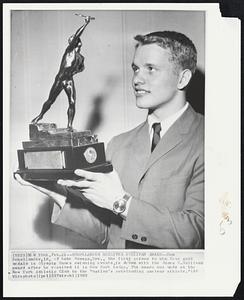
[
  {"x": 141, "y": 148},
  {"x": 172, "y": 137}
]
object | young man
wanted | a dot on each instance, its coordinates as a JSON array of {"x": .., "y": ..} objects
[{"x": 154, "y": 197}]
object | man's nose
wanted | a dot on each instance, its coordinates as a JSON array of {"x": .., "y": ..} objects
[{"x": 138, "y": 78}]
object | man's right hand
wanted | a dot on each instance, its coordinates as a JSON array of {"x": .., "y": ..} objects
[{"x": 57, "y": 194}]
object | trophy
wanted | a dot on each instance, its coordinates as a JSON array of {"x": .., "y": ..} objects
[{"x": 54, "y": 153}]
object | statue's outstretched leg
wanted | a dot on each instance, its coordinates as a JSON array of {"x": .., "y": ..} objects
[
  {"x": 54, "y": 92},
  {"x": 69, "y": 88}
]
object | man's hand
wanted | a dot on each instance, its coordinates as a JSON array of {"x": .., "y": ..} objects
[
  {"x": 59, "y": 197},
  {"x": 101, "y": 189}
]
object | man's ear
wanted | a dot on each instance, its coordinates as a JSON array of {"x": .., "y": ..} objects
[{"x": 184, "y": 79}]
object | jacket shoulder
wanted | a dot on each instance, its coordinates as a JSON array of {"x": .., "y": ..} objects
[
  {"x": 122, "y": 139},
  {"x": 200, "y": 122},
  {"x": 127, "y": 135}
]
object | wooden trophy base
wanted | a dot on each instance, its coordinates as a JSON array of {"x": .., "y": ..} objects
[
  {"x": 54, "y": 175},
  {"x": 53, "y": 154}
]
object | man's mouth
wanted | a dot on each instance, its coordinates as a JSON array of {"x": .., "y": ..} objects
[{"x": 141, "y": 91}]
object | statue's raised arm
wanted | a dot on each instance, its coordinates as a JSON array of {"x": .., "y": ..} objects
[{"x": 81, "y": 29}]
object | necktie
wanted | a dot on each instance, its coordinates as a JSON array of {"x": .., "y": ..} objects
[{"x": 156, "y": 135}]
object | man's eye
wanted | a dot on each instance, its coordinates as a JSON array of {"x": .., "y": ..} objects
[
  {"x": 151, "y": 69},
  {"x": 135, "y": 69}
]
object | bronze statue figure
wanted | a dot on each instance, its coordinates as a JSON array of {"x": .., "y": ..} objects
[{"x": 71, "y": 64}]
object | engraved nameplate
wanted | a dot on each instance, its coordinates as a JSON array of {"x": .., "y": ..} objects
[{"x": 45, "y": 160}]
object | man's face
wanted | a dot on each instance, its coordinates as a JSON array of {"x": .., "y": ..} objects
[{"x": 155, "y": 79}]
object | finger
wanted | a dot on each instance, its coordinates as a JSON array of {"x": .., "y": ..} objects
[
  {"x": 114, "y": 174},
  {"x": 87, "y": 174},
  {"x": 73, "y": 183},
  {"x": 21, "y": 180}
]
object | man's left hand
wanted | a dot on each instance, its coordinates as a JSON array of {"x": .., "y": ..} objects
[{"x": 101, "y": 189}]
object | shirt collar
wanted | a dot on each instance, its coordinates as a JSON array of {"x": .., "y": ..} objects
[{"x": 169, "y": 121}]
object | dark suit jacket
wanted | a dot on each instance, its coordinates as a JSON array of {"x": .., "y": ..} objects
[{"x": 167, "y": 208}]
